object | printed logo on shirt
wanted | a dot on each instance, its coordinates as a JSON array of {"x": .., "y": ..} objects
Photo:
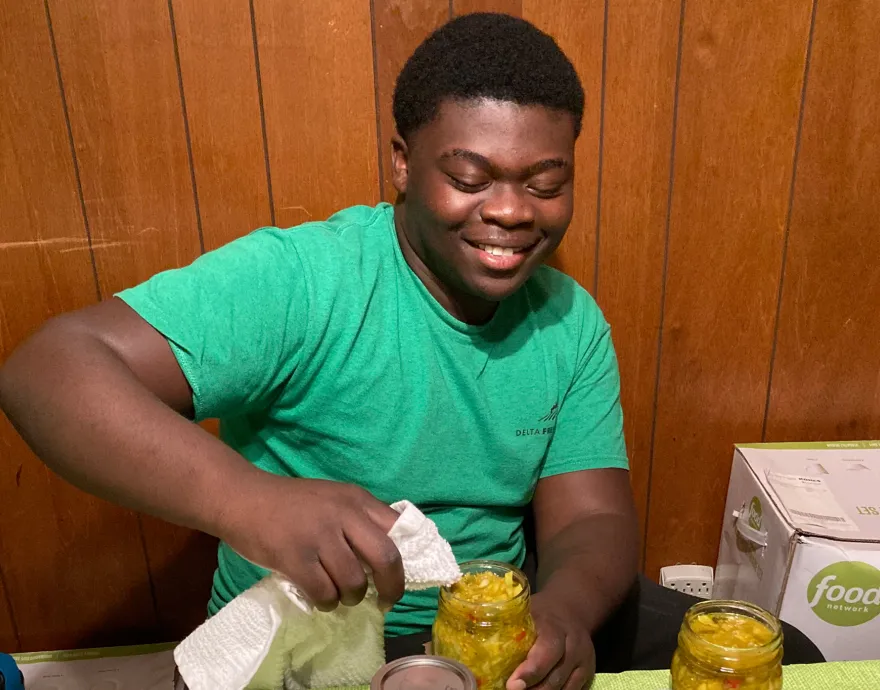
[
  {"x": 552, "y": 414},
  {"x": 548, "y": 424}
]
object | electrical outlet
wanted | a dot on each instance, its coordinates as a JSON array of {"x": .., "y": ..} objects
[{"x": 696, "y": 580}]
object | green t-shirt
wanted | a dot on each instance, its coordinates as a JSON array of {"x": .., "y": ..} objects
[{"x": 324, "y": 356}]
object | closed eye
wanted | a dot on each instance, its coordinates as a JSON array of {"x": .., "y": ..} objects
[
  {"x": 546, "y": 192},
  {"x": 467, "y": 187}
]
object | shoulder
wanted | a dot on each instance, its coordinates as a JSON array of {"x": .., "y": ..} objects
[
  {"x": 558, "y": 301},
  {"x": 316, "y": 255},
  {"x": 329, "y": 241},
  {"x": 353, "y": 223},
  {"x": 346, "y": 231},
  {"x": 305, "y": 264}
]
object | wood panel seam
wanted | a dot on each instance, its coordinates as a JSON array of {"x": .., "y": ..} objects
[
  {"x": 669, "y": 194},
  {"x": 601, "y": 157},
  {"x": 186, "y": 134},
  {"x": 8, "y": 601},
  {"x": 377, "y": 101},
  {"x": 72, "y": 143},
  {"x": 787, "y": 231},
  {"x": 150, "y": 576},
  {"x": 259, "y": 77}
]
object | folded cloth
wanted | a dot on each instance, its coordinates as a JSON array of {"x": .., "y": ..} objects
[{"x": 271, "y": 638}]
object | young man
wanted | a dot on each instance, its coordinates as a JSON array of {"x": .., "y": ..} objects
[{"x": 419, "y": 351}]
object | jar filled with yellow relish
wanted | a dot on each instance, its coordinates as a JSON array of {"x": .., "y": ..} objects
[
  {"x": 727, "y": 645},
  {"x": 484, "y": 622}
]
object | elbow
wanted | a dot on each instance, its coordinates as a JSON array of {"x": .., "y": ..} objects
[
  {"x": 4, "y": 385},
  {"x": 633, "y": 541},
  {"x": 34, "y": 358},
  {"x": 12, "y": 372}
]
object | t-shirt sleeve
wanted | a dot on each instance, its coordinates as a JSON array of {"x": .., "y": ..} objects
[
  {"x": 589, "y": 427},
  {"x": 235, "y": 319}
]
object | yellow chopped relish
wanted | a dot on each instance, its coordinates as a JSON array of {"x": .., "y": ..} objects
[
  {"x": 486, "y": 587},
  {"x": 728, "y": 645},
  {"x": 483, "y": 621}
]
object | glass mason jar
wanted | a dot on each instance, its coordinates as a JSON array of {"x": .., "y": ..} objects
[
  {"x": 484, "y": 622},
  {"x": 727, "y": 645}
]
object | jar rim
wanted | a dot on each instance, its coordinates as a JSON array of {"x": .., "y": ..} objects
[
  {"x": 499, "y": 568},
  {"x": 735, "y": 607}
]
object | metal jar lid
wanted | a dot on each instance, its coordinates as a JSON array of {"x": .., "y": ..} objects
[{"x": 423, "y": 673}]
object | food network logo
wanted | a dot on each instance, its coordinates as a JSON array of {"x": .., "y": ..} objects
[{"x": 845, "y": 593}]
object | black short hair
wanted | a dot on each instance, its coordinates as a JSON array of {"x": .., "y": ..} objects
[{"x": 486, "y": 55}]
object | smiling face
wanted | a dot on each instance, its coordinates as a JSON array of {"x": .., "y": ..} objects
[{"x": 486, "y": 197}]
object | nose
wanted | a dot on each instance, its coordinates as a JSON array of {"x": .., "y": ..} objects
[{"x": 508, "y": 206}]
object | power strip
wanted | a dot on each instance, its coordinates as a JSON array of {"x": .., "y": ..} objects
[{"x": 696, "y": 580}]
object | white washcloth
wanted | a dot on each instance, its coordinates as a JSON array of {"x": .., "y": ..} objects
[{"x": 270, "y": 637}]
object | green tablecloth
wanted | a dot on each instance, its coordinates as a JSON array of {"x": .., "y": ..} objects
[
  {"x": 845, "y": 675},
  {"x": 840, "y": 675}
]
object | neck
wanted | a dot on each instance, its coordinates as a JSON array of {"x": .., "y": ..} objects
[{"x": 467, "y": 308}]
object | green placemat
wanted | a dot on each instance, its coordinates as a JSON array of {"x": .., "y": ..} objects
[
  {"x": 840, "y": 675},
  {"x": 845, "y": 675}
]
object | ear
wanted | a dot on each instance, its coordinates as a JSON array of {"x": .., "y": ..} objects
[{"x": 399, "y": 163}]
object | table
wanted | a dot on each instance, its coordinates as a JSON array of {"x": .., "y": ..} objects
[
  {"x": 845, "y": 675},
  {"x": 840, "y": 675},
  {"x": 153, "y": 667}
]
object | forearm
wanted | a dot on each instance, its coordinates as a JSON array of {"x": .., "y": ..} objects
[
  {"x": 591, "y": 565},
  {"x": 90, "y": 419}
]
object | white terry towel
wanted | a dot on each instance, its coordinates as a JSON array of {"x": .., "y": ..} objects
[{"x": 271, "y": 638}]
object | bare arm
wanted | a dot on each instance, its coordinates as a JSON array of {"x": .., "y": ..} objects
[
  {"x": 587, "y": 541},
  {"x": 587, "y": 536},
  {"x": 100, "y": 397}
]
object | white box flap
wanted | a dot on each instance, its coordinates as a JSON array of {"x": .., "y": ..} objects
[{"x": 826, "y": 489}]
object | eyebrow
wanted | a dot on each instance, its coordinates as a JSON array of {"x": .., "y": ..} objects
[{"x": 482, "y": 161}]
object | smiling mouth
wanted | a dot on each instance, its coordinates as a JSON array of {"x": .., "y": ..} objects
[
  {"x": 498, "y": 250},
  {"x": 501, "y": 259}
]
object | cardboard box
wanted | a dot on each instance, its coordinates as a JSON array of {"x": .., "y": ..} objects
[{"x": 801, "y": 538}]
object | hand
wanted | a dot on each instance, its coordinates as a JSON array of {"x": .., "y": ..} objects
[
  {"x": 320, "y": 535},
  {"x": 562, "y": 656}
]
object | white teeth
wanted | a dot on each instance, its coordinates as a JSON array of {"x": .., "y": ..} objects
[{"x": 497, "y": 251}]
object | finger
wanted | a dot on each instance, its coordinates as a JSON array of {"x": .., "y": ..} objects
[
  {"x": 346, "y": 571},
  {"x": 375, "y": 548},
  {"x": 578, "y": 679},
  {"x": 556, "y": 678},
  {"x": 312, "y": 580},
  {"x": 546, "y": 654},
  {"x": 383, "y": 515}
]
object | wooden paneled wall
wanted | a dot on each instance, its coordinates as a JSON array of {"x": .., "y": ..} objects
[{"x": 728, "y": 222}]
